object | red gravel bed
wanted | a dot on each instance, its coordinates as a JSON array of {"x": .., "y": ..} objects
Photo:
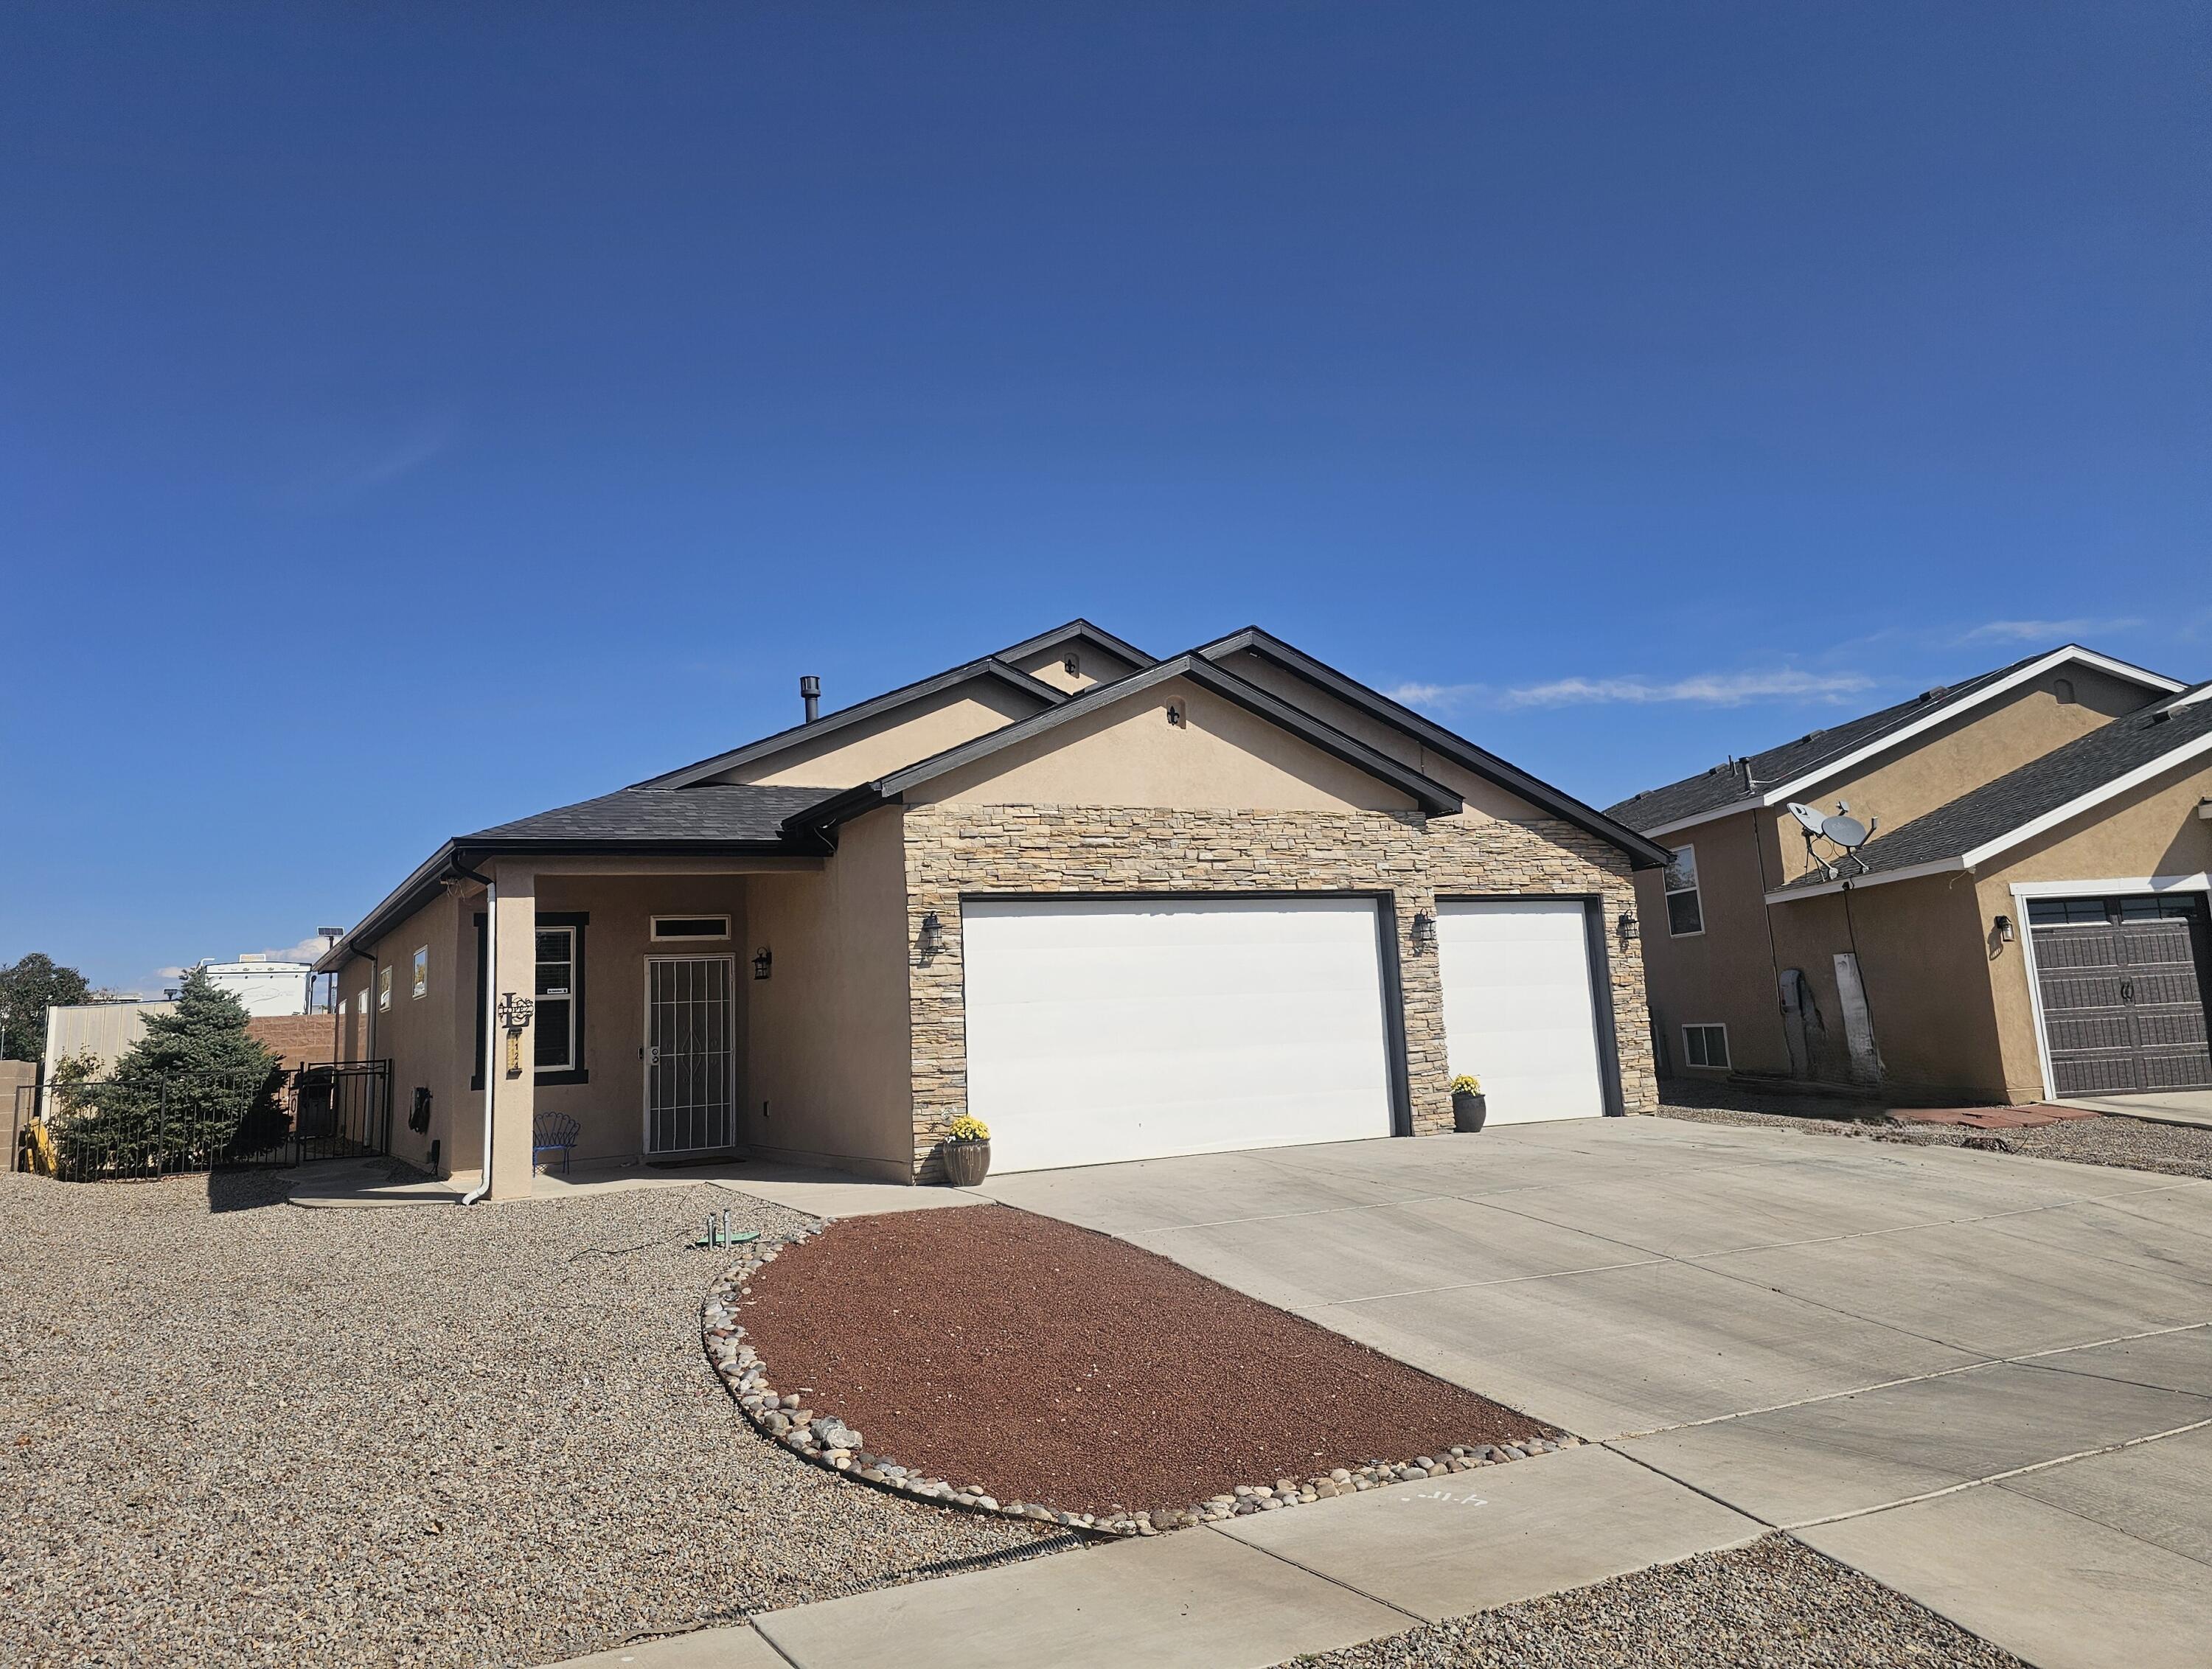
[{"x": 1050, "y": 1364}]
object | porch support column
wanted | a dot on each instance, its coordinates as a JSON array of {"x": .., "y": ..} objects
[{"x": 514, "y": 1106}]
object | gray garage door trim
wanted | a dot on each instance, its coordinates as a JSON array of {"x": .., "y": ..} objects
[
  {"x": 1599, "y": 946},
  {"x": 2121, "y": 992}
]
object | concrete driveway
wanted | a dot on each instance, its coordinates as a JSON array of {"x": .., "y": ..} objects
[{"x": 1982, "y": 1379}]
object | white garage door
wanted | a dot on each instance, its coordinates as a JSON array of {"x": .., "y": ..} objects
[
  {"x": 1519, "y": 1011},
  {"x": 1106, "y": 1030}
]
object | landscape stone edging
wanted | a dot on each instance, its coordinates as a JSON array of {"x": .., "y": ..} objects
[{"x": 820, "y": 1439}]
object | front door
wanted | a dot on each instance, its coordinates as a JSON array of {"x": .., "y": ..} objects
[
  {"x": 2123, "y": 987},
  {"x": 690, "y": 1064}
]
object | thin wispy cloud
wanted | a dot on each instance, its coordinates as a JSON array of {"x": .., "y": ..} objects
[
  {"x": 361, "y": 468},
  {"x": 1720, "y": 689},
  {"x": 2052, "y": 632}
]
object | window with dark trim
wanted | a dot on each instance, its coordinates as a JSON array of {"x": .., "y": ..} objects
[
  {"x": 691, "y": 927},
  {"x": 556, "y": 986},
  {"x": 1685, "y": 912},
  {"x": 1705, "y": 1046}
]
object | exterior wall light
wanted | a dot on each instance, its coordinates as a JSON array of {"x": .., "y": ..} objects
[
  {"x": 1425, "y": 931},
  {"x": 2005, "y": 931},
  {"x": 762, "y": 963},
  {"x": 1627, "y": 928},
  {"x": 931, "y": 939}
]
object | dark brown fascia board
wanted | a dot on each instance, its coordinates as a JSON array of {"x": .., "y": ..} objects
[
  {"x": 1432, "y": 797},
  {"x": 988, "y": 666},
  {"x": 1644, "y": 854},
  {"x": 1079, "y": 628},
  {"x": 460, "y": 853}
]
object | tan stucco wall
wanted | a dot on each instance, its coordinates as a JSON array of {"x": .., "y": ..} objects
[
  {"x": 1724, "y": 975},
  {"x": 2154, "y": 832},
  {"x": 1483, "y": 799},
  {"x": 419, "y": 1036},
  {"x": 860, "y": 753},
  {"x": 956, "y": 847},
  {"x": 1128, "y": 754},
  {"x": 827, "y": 1034},
  {"x": 1093, "y": 665},
  {"x": 1931, "y": 770}
]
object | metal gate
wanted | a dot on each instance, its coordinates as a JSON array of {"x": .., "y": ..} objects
[
  {"x": 690, "y": 1073},
  {"x": 2123, "y": 989}
]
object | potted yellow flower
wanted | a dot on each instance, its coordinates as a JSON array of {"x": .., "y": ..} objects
[
  {"x": 967, "y": 1151},
  {"x": 1469, "y": 1106}
]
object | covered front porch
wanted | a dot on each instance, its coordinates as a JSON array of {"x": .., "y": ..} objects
[{"x": 656, "y": 1017}]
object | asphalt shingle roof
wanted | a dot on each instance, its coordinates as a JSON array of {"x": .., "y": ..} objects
[
  {"x": 1724, "y": 784},
  {"x": 711, "y": 812},
  {"x": 2041, "y": 785}
]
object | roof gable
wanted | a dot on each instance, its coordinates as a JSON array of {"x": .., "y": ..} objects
[
  {"x": 1642, "y": 853},
  {"x": 1430, "y": 796},
  {"x": 845, "y": 723},
  {"x": 1794, "y": 769}
]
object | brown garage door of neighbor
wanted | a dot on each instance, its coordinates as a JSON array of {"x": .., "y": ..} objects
[{"x": 2123, "y": 982}]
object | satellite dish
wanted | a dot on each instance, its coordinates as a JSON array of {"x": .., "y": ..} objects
[
  {"x": 1814, "y": 821},
  {"x": 1848, "y": 833}
]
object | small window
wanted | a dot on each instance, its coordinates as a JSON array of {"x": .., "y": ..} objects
[
  {"x": 422, "y": 971},
  {"x": 1705, "y": 1046},
  {"x": 555, "y": 1020},
  {"x": 1686, "y": 915},
  {"x": 691, "y": 928},
  {"x": 360, "y": 1001},
  {"x": 383, "y": 989}
]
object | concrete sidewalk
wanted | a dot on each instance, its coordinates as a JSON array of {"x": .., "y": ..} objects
[{"x": 1251, "y": 1592}]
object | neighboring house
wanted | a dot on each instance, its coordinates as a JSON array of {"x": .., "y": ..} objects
[
  {"x": 263, "y": 985},
  {"x": 1116, "y": 907},
  {"x": 2027, "y": 921}
]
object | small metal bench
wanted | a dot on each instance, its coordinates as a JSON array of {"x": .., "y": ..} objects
[{"x": 553, "y": 1133}]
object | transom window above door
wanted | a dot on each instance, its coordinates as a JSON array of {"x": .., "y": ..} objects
[{"x": 691, "y": 927}]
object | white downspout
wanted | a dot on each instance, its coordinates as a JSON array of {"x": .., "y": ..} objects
[{"x": 491, "y": 1032}]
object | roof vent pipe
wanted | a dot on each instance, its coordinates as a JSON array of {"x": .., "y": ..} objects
[{"x": 810, "y": 691}]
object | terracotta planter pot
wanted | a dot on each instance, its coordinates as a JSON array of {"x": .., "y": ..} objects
[
  {"x": 1468, "y": 1113},
  {"x": 966, "y": 1163}
]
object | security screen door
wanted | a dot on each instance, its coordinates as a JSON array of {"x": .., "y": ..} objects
[{"x": 690, "y": 1026}]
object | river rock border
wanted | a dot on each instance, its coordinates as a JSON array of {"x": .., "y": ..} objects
[{"x": 828, "y": 1441}]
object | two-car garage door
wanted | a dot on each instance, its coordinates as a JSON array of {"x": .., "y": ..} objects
[{"x": 1100, "y": 1030}]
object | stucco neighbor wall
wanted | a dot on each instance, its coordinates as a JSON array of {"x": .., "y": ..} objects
[
  {"x": 827, "y": 1033},
  {"x": 1724, "y": 975},
  {"x": 2155, "y": 832},
  {"x": 956, "y": 847}
]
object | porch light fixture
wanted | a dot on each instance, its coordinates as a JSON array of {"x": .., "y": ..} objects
[
  {"x": 2005, "y": 931},
  {"x": 763, "y": 962},
  {"x": 1425, "y": 930},
  {"x": 931, "y": 939},
  {"x": 1626, "y": 928}
]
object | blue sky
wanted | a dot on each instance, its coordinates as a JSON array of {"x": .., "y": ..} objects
[{"x": 412, "y": 417}]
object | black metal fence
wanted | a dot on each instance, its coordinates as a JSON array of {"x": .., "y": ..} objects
[{"x": 113, "y": 1128}]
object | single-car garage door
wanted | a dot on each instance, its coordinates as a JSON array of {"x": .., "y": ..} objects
[
  {"x": 1520, "y": 1009},
  {"x": 1100, "y": 1030}
]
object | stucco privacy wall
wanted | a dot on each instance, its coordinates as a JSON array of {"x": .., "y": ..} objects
[
  {"x": 826, "y": 1032},
  {"x": 955, "y": 847}
]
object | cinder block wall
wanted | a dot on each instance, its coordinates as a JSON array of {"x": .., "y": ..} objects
[{"x": 955, "y": 848}]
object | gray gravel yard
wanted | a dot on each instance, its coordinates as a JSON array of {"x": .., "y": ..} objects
[
  {"x": 1773, "y": 1604},
  {"x": 238, "y": 1431},
  {"x": 2132, "y": 1144}
]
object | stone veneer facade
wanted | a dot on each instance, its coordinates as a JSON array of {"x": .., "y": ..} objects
[{"x": 952, "y": 849}]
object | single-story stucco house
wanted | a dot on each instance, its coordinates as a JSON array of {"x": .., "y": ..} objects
[
  {"x": 1116, "y": 907},
  {"x": 2031, "y": 918}
]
